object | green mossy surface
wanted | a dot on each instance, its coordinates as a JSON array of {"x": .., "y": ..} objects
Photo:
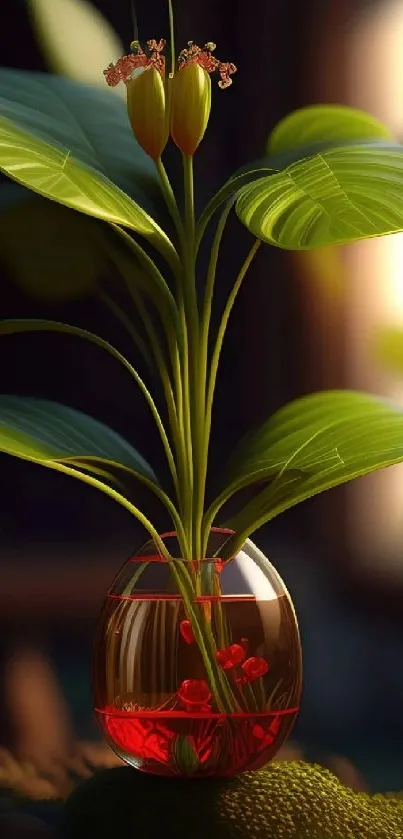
[{"x": 286, "y": 800}]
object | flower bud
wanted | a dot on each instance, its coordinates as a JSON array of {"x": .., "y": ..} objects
[
  {"x": 190, "y": 106},
  {"x": 146, "y": 105}
]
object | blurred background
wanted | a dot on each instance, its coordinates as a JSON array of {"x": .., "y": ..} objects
[{"x": 302, "y": 323}]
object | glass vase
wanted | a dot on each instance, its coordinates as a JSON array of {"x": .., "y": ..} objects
[{"x": 197, "y": 664}]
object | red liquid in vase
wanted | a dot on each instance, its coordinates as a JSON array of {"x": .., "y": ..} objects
[{"x": 146, "y": 657}]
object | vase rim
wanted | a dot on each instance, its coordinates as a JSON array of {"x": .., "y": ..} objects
[
  {"x": 224, "y": 530},
  {"x": 171, "y": 534},
  {"x": 140, "y": 559}
]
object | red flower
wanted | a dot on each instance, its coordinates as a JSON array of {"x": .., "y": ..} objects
[
  {"x": 140, "y": 737},
  {"x": 230, "y": 656},
  {"x": 254, "y": 668},
  {"x": 195, "y": 695},
  {"x": 185, "y": 629}
]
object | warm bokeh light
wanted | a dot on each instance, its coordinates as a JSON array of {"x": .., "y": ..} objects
[{"x": 375, "y": 278}]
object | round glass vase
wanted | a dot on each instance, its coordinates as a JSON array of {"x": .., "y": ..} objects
[{"x": 197, "y": 664}]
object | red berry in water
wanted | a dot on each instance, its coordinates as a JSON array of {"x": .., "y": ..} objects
[
  {"x": 185, "y": 629},
  {"x": 230, "y": 656},
  {"x": 254, "y": 668}
]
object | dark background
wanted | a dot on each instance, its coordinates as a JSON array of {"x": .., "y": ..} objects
[{"x": 60, "y": 542}]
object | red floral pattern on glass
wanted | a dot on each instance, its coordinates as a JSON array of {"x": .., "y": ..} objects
[
  {"x": 195, "y": 695},
  {"x": 185, "y": 629},
  {"x": 149, "y": 741},
  {"x": 231, "y": 656},
  {"x": 254, "y": 668}
]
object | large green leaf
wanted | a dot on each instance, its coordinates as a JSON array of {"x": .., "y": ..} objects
[
  {"x": 337, "y": 196},
  {"x": 301, "y": 134},
  {"x": 314, "y": 443},
  {"x": 329, "y": 124},
  {"x": 55, "y": 173},
  {"x": 91, "y": 123},
  {"x": 47, "y": 432},
  {"x": 73, "y": 144}
]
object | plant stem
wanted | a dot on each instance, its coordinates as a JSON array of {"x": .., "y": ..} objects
[
  {"x": 205, "y": 640},
  {"x": 150, "y": 266},
  {"x": 181, "y": 371},
  {"x": 203, "y": 371},
  {"x": 169, "y": 196},
  {"x": 172, "y": 35},
  {"x": 126, "y": 322},
  {"x": 151, "y": 485},
  {"x": 196, "y": 386},
  {"x": 34, "y": 325},
  {"x": 215, "y": 359},
  {"x": 116, "y": 496}
]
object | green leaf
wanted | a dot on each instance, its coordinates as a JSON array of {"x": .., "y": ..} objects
[
  {"x": 340, "y": 195},
  {"x": 76, "y": 39},
  {"x": 231, "y": 189},
  {"x": 92, "y": 123},
  {"x": 314, "y": 443},
  {"x": 329, "y": 124},
  {"x": 73, "y": 144},
  {"x": 299, "y": 135},
  {"x": 54, "y": 173},
  {"x": 46, "y": 433}
]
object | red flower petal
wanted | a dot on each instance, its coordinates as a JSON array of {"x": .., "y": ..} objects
[
  {"x": 230, "y": 656},
  {"x": 185, "y": 629},
  {"x": 255, "y": 667},
  {"x": 140, "y": 737},
  {"x": 194, "y": 692}
]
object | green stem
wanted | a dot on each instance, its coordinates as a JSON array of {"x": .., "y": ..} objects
[
  {"x": 153, "y": 338},
  {"x": 174, "y": 401},
  {"x": 215, "y": 359},
  {"x": 154, "y": 273},
  {"x": 169, "y": 197},
  {"x": 204, "y": 637},
  {"x": 181, "y": 374},
  {"x": 196, "y": 384},
  {"x": 116, "y": 496},
  {"x": 172, "y": 35},
  {"x": 203, "y": 370},
  {"x": 15, "y": 326},
  {"x": 151, "y": 485},
  {"x": 127, "y": 324}
]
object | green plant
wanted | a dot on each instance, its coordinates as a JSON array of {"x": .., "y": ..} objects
[{"x": 329, "y": 175}]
